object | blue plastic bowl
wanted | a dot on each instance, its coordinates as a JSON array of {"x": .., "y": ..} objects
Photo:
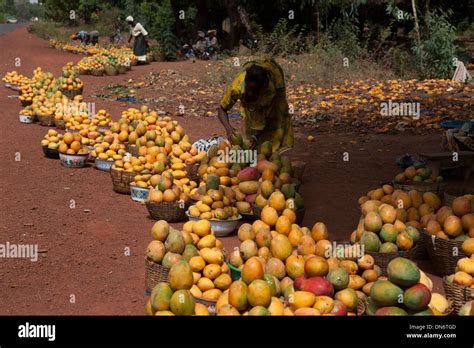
[{"x": 451, "y": 124}]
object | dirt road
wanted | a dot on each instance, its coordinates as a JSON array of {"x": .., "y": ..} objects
[{"x": 84, "y": 230}]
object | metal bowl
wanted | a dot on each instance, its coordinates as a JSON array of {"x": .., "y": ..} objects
[
  {"x": 50, "y": 153},
  {"x": 104, "y": 165},
  {"x": 139, "y": 194},
  {"x": 221, "y": 228},
  {"x": 73, "y": 161}
]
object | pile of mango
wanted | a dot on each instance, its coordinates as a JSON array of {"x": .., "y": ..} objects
[
  {"x": 417, "y": 173},
  {"x": 404, "y": 292},
  {"x": 14, "y": 78},
  {"x": 251, "y": 183},
  {"x": 358, "y": 104},
  {"x": 392, "y": 219}
]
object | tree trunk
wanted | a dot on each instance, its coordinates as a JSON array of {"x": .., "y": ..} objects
[
  {"x": 233, "y": 14},
  {"x": 318, "y": 25},
  {"x": 178, "y": 23},
  {"x": 202, "y": 15},
  {"x": 417, "y": 27}
]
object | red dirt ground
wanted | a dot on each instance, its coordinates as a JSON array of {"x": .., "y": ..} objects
[{"x": 84, "y": 254}]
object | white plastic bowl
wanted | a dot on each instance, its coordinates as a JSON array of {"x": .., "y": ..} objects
[
  {"x": 26, "y": 118},
  {"x": 221, "y": 228},
  {"x": 139, "y": 194}
]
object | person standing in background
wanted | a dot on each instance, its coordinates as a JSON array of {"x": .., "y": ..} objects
[{"x": 140, "y": 45}]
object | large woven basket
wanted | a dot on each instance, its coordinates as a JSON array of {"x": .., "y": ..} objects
[
  {"x": 298, "y": 169},
  {"x": 97, "y": 72},
  {"x": 46, "y": 120},
  {"x": 421, "y": 187},
  {"x": 420, "y": 252},
  {"x": 211, "y": 305},
  {"x": 169, "y": 211},
  {"x": 383, "y": 259},
  {"x": 121, "y": 69},
  {"x": 121, "y": 180},
  {"x": 441, "y": 252},
  {"x": 60, "y": 124},
  {"x": 71, "y": 93},
  {"x": 110, "y": 70},
  {"x": 457, "y": 294},
  {"x": 154, "y": 274},
  {"x": 451, "y": 194}
]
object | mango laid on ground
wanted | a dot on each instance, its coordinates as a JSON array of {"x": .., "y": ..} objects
[
  {"x": 403, "y": 272},
  {"x": 181, "y": 276}
]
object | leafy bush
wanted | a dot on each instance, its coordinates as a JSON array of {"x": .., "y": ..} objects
[
  {"x": 434, "y": 55},
  {"x": 283, "y": 40},
  {"x": 169, "y": 44},
  {"x": 48, "y": 30}
]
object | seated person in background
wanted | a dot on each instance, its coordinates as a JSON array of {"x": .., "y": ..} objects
[{"x": 211, "y": 40}]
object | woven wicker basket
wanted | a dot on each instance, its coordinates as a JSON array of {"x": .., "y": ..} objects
[
  {"x": 211, "y": 305},
  {"x": 71, "y": 93},
  {"x": 451, "y": 194},
  {"x": 121, "y": 180},
  {"x": 110, "y": 70},
  {"x": 121, "y": 69},
  {"x": 457, "y": 294},
  {"x": 169, "y": 211},
  {"x": 97, "y": 72},
  {"x": 154, "y": 274},
  {"x": 441, "y": 255},
  {"x": 421, "y": 187},
  {"x": 383, "y": 259},
  {"x": 84, "y": 72},
  {"x": 421, "y": 253},
  {"x": 298, "y": 169},
  {"x": 60, "y": 124},
  {"x": 46, "y": 120}
]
